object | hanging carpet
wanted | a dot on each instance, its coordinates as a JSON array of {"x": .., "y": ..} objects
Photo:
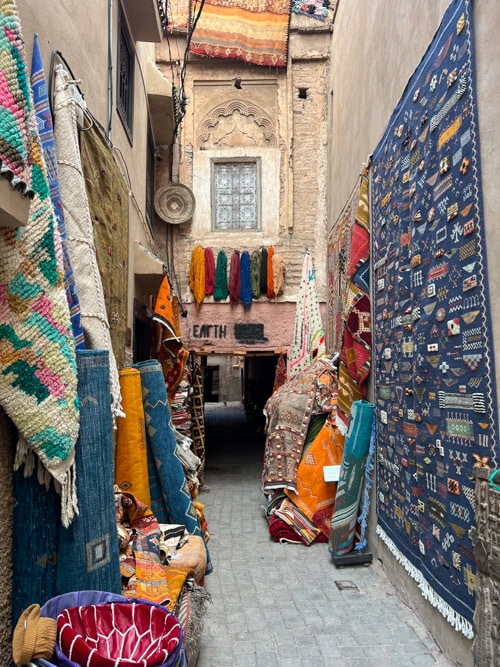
[
  {"x": 436, "y": 390},
  {"x": 308, "y": 336},
  {"x": 243, "y": 30},
  {"x": 81, "y": 243},
  {"x": 7, "y": 447},
  {"x": 107, "y": 195},
  {"x": 355, "y": 353},
  {"x": 46, "y": 131},
  {"x": 38, "y": 383},
  {"x": 87, "y": 555}
]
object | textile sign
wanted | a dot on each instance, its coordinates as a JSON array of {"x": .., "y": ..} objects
[{"x": 435, "y": 395}]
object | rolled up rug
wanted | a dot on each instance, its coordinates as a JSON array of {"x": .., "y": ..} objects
[{"x": 350, "y": 484}]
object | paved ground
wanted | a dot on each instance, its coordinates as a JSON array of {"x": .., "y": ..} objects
[{"x": 278, "y": 605}]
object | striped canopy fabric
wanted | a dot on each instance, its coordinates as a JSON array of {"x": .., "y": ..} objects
[{"x": 255, "y": 31}]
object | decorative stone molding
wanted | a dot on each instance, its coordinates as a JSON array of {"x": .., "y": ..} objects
[{"x": 263, "y": 136}]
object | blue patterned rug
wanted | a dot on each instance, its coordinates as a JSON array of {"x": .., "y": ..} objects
[
  {"x": 170, "y": 498},
  {"x": 435, "y": 396},
  {"x": 87, "y": 557}
]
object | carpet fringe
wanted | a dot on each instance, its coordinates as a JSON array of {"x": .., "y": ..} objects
[{"x": 455, "y": 619}]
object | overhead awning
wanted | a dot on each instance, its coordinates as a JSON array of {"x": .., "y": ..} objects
[
  {"x": 161, "y": 105},
  {"x": 148, "y": 268},
  {"x": 144, "y": 20}
]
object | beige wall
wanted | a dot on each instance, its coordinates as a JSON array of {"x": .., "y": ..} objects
[
  {"x": 80, "y": 31},
  {"x": 288, "y": 135},
  {"x": 376, "y": 47}
]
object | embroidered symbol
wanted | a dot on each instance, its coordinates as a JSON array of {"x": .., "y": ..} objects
[
  {"x": 453, "y": 486},
  {"x": 452, "y": 211},
  {"x": 453, "y": 326},
  {"x": 460, "y": 24},
  {"x": 444, "y": 367},
  {"x": 468, "y": 227},
  {"x": 472, "y": 361},
  {"x": 465, "y": 165},
  {"x": 451, "y": 78},
  {"x": 456, "y": 232},
  {"x": 469, "y": 283},
  {"x": 444, "y": 165},
  {"x": 433, "y": 84}
]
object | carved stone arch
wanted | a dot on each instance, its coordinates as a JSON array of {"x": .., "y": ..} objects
[{"x": 248, "y": 124}]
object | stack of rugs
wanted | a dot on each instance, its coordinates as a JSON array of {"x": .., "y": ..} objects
[{"x": 302, "y": 437}]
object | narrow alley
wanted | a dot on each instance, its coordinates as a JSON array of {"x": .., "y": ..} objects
[{"x": 278, "y": 604}]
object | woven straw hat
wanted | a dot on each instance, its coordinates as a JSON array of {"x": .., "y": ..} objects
[{"x": 34, "y": 636}]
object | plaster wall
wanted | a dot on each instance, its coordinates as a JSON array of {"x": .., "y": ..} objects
[
  {"x": 376, "y": 46},
  {"x": 288, "y": 134}
]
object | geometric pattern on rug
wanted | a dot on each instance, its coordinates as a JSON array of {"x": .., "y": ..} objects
[{"x": 436, "y": 404}]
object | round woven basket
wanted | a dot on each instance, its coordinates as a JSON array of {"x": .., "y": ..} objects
[{"x": 174, "y": 203}]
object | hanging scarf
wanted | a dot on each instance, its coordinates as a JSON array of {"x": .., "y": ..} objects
[
  {"x": 220, "y": 288},
  {"x": 246, "y": 283},
  {"x": 197, "y": 275},
  {"x": 234, "y": 278},
  {"x": 46, "y": 130},
  {"x": 209, "y": 272},
  {"x": 255, "y": 263},
  {"x": 270, "y": 279},
  {"x": 263, "y": 272},
  {"x": 278, "y": 274}
]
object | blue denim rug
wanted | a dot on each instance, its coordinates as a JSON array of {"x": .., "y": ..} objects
[
  {"x": 170, "y": 497},
  {"x": 435, "y": 391},
  {"x": 88, "y": 550}
]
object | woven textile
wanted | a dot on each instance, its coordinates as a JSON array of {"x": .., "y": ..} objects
[
  {"x": 316, "y": 9},
  {"x": 170, "y": 497},
  {"x": 308, "y": 335},
  {"x": 197, "y": 275},
  {"x": 436, "y": 390},
  {"x": 131, "y": 455},
  {"x": 87, "y": 556},
  {"x": 255, "y": 262},
  {"x": 107, "y": 195},
  {"x": 16, "y": 111},
  {"x": 142, "y": 574},
  {"x": 301, "y": 525},
  {"x": 209, "y": 271},
  {"x": 243, "y": 30},
  {"x": 270, "y": 275},
  {"x": 38, "y": 384},
  {"x": 246, "y": 281},
  {"x": 6, "y": 521},
  {"x": 234, "y": 278},
  {"x": 197, "y": 409},
  {"x": 288, "y": 413},
  {"x": 339, "y": 252},
  {"x": 350, "y": 484},
  {"x": 80, "y": 230},
  {"x": 46, "y": 132},
  {"x": 177, "y": 14},
  {"x": 315, "y": 497},
  {"x": 220, "y": 288},
  {"x": 355, "y": 354},
  {"x": 278, "y": 274},
  {"x": 280, "y": 376},
  {"x": 263, "y": 271}
]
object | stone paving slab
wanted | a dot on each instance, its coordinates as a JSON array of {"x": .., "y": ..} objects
[{"x": 278, "y": 605}]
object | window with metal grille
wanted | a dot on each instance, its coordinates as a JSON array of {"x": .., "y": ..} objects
[
  {"x": 236, "y": 194},
  {"x": 125, "y": 86}
]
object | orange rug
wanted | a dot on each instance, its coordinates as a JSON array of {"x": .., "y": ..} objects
[{"x": 243, "y": 30}]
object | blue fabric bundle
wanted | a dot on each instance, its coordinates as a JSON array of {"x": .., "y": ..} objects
[{"x": 246, "y": 280}]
